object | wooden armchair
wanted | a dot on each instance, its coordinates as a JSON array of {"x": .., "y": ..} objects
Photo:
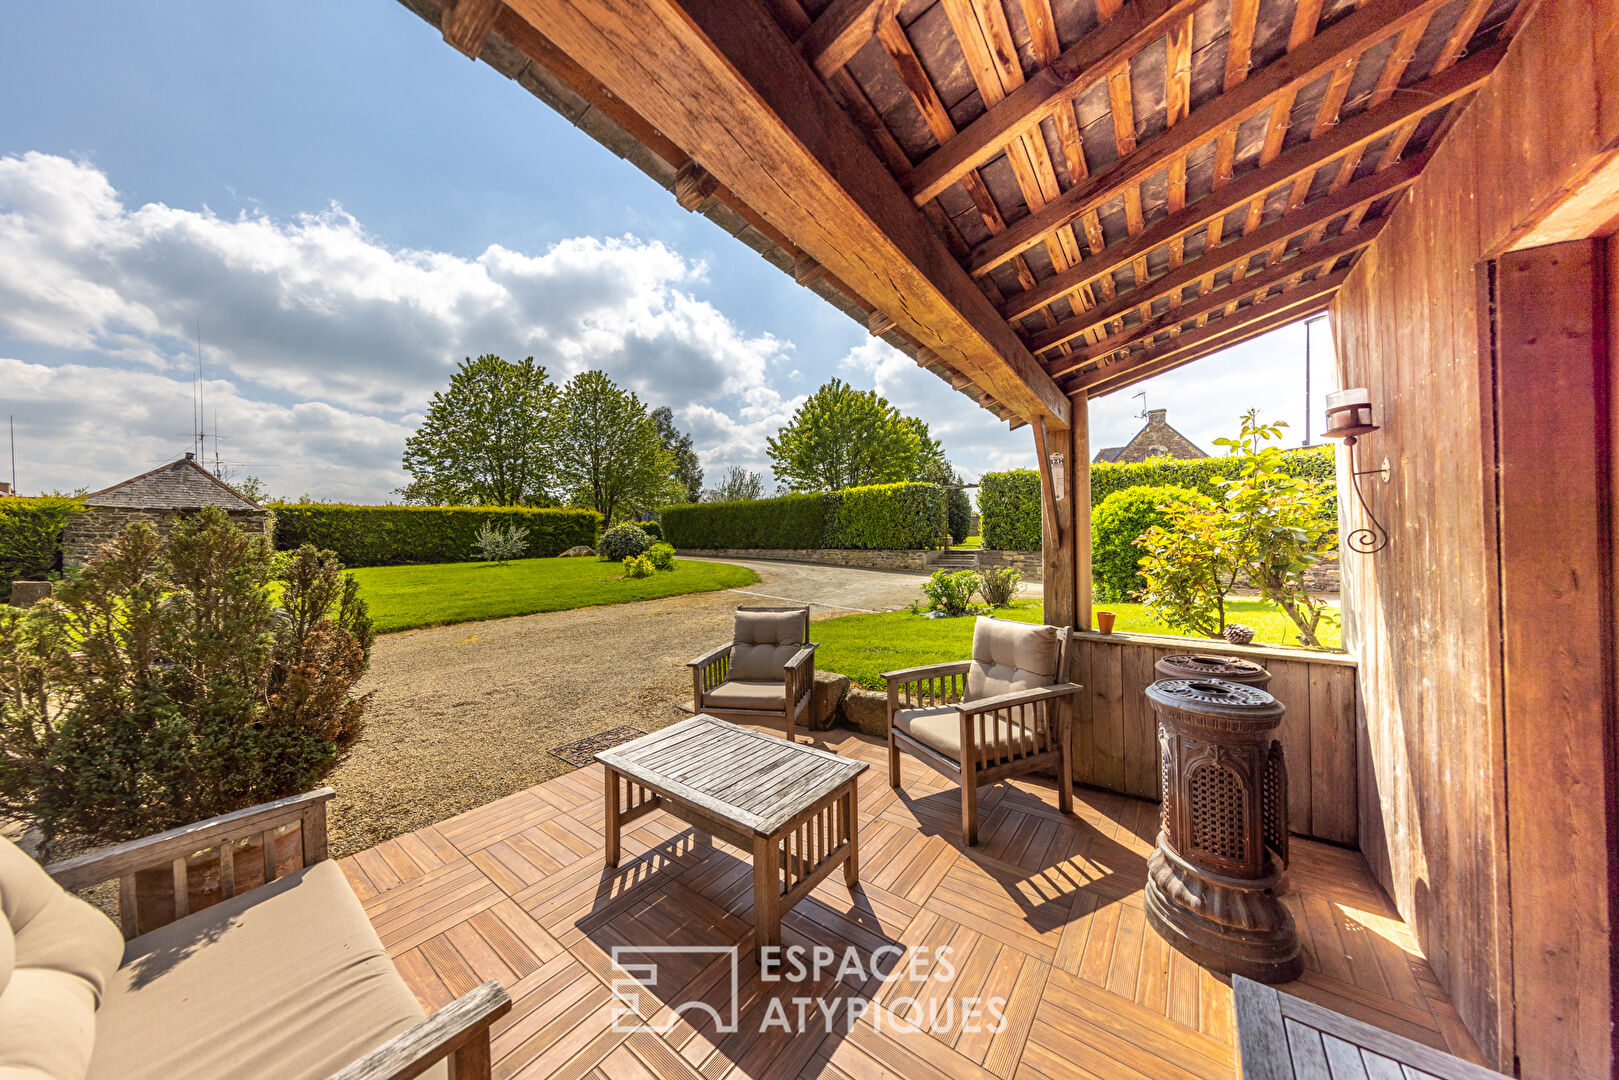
[
  {"x": 1006, "y": 712},
  {"x": 247, "y": 954},
  {"x": 766, "y": 672}
]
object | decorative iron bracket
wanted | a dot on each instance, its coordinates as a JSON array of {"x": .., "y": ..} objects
[{"x": 1365, "y": 541}]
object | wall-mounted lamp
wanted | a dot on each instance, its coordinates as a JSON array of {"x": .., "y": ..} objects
[
  {"x": 1055, "y": 460},
  {"x": 1349, "y": 416}
]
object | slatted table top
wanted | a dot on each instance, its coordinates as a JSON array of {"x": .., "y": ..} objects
[{"x": 755, "y": 780}]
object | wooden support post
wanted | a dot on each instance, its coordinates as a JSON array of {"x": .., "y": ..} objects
[{"x": 1066, "y": 519}]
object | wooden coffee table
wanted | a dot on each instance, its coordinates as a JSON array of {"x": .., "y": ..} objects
[{"x": 795, "y": 807}]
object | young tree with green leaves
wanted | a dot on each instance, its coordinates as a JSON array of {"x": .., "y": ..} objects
[
  {"x": 688, "y": 470},
  {"x": 609, "y": 455},
  {"x": 487, "y": 439},
  {"x": 739, "y": 485},
  {"x": 842, "y": 437}
]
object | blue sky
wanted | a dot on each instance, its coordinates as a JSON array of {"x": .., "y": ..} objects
[{"x": 349, "y": 207}]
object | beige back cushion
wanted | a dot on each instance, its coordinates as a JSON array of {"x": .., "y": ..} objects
[
  {"x": 1011, "y": 656},
  {"x": 56, "y": 960},
  {"x": 764, "y": 641}
]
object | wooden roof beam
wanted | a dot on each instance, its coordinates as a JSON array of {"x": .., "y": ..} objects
[
  {"x": 1258, "y": 318},
  {"x": 722, "y": 81},
  {"x": 845, "y": 26},
  {"x": 1218, "y": 299},
  {"x": 1091, "y": 60},
  {"x": 1404, "y": 109},
  {"x": 466, "y": 24},
  {"x": 1313, "y": 216},
  {"x": 1351, "y": 35}
]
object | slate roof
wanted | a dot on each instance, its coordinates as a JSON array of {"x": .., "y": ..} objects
[{"x": 179, "y": 485}]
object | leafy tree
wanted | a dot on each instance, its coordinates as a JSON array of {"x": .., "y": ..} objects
[
  {"x": 252, "y": 489},
  {"x": 842, "y": 437},
  {"x": 738, "y": 485},
  {"x": 487, "y": 439},
  {"x": 688, "y": 471},
  {"x": 609, "y": 454},
  {"x": 1117, "y": 524},
  {"x": 1188, "y": 569},
  {"x": 162, "y": 685}
]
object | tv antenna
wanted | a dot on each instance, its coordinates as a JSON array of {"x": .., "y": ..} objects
[{"x": 1142, "y": 394}]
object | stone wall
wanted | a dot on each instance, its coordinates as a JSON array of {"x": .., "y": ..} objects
[
  {"x": 86, "y": 532},
  {"x": 870, "y": 560},
  {"x": 1032, "y": 563}
]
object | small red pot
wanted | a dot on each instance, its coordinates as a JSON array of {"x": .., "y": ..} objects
[{"x": 1104, "y": 621}]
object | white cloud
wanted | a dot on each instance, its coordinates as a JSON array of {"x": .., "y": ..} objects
[{"x": 316, "y": 317}]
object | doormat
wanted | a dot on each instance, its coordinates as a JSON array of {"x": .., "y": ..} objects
[{"x": 582, "y": 752}]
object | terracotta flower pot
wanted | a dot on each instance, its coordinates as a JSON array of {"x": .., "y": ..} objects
[{"x": 1104, "y": 621}]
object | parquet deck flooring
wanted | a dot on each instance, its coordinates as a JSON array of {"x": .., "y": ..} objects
[{"x": 1044, "y": 917}]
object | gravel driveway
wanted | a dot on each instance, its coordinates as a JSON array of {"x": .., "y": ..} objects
[{"x": 464, "y": 714}]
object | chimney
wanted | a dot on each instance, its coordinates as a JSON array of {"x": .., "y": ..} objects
[
  {"x": 5, "y": 487},
  {"x": 190, "y": 456},
  {"x": 1156, "y": 416}
]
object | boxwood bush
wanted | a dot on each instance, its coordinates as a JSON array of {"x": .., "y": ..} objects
[
  {"x": 1009, "y": 502},
  {"x": 880, "y": 516},
  {"x": 1115, "y": 525},
  {"x": 30, "y": 537},
  {"x": 393, "y": 535},
  {"x": 624, "y": 541}
]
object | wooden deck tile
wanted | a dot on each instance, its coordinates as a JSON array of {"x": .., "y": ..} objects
[{"x": 1044, "y": 915}]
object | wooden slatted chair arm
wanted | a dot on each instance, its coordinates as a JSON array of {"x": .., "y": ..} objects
[
  {"x": 801, "y": 657},
  {"x": 929, "y": 671},
  {"x": 459, "y": 1031},
  {"x": 1002, "y": 702},
  {"x": 711, "y": 656},
  {"x": 123, "y": 860}
]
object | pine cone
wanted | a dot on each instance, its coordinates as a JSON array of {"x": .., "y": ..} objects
[{"x": 1238, "y": 634}]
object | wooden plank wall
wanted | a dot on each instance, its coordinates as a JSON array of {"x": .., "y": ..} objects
[
  {"x": 1423, "y": 617},
  {"x": 1116, "y": 741}
]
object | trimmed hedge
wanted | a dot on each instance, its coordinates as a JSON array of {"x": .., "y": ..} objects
[
  {"x": 396, "y": 535},
  {"x": 31, "y": 536},
  {"x": 1009, "y": 510},
  {"x": 878, "y": 516},
  {"x": 1009, "y": 502},
  {"x": 1116, "y": 525},
  {"x": 791, "y": 521},
  {"x": 886, "y": 517}
]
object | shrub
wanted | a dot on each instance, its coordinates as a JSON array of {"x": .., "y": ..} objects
[
  {"x": 1000, "y": 586},
  {"x": 622, "y": 541},
  {"x": 951, "y": 593},
  {"x": 1116, "y": 526},
  {"x": 639, "y": 566},
  {"x": 394, "y": 535},
  {"x": 1009, "y": 509},
  {"x": 199, "y": 698},
  {"x": 886, "y": 517},
  {"x": 791, "y": 521},
  {"x": 498, "y": 545},
  {"x": 662, "y": 556},
  {"x": 878, "y": 516},
  {"x": 30, "y": 537},
  {"x": 959, "y": 512},
  {"x": 652, "y": 529}
]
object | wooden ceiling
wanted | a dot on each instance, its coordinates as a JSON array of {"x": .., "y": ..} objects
[{"x": 1035, "y": 198}]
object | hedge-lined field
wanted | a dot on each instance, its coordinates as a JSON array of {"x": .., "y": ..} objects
[
  {"x": 1009, "y": 502},
  {"x": 30, "y": 537},
  {"x": 395, "y": 535},
  {"x": 876, "y": 517}
]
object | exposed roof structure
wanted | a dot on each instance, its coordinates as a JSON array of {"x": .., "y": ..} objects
[
  {"x": 179, "y": 485},
  {"x": 1035, "y": 198}
]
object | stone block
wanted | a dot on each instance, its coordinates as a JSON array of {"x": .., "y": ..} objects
[
  {"x": 829, "y": 690},
  {"x": 866, "y": 711},
  {"x": 29, "y": 593}
]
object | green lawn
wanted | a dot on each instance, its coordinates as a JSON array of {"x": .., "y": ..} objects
[
  {"x": 864, "y": 646},
  {"x": 970, "y": 542},
  {"x": 402, "y": 597}
]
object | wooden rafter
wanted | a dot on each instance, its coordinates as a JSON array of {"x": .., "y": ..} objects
[
  {"x": 1135, "y": 27},
  {"x": 466, "y": 24},
  {"x": 1306, "y": 220},
  {"x": 724, "y": 78},
  {"x": 1304, "y": 159},
  {"x": 845, "y": 26},
  {"x": 1351, "y": 35}
]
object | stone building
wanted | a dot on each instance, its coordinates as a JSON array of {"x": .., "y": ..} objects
[
  {"x": 162, "y": 497},
  {"x": 1157, "y": 439}
]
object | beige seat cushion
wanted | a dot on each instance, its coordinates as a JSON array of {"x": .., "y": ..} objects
[
  {"x": 284, "y": 981},
  {"x": 764, "y": 641},
  {"x": 1011, "y": 656},
  {"x": 738, "y": 694},
  {"x": 939, "y": 728},
  {"x": 57, "y": 954}
]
